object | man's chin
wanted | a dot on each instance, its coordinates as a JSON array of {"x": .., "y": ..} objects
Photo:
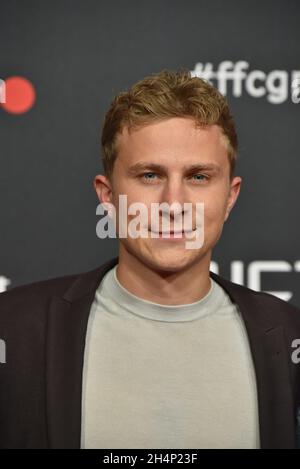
[
  {"x": 168, "y": 264},
  {"x": 167, "y": 260}
]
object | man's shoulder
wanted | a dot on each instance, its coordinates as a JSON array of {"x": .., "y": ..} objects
[
  {"x": 34, "y": 298},
  {"x": 39, "y": 289},
  {"x": 262, "y": 303},
  {"x": 31, "y": 300}
]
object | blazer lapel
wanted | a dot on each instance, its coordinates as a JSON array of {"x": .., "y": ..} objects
[
  {"x": 66, "y": 331},
  {"x": 271, "y": 363}
]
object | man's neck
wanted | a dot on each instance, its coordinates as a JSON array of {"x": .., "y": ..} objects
[{"x": 168, "y": 288}]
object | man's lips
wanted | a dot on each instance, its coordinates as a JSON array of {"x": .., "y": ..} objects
[{"x": 171, "y": 232}]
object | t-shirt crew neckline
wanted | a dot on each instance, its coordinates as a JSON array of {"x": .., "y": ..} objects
[{"x": 211, "y": 302}]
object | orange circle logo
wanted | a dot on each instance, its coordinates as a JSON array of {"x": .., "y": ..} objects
[{"x": 20, "y": 95}]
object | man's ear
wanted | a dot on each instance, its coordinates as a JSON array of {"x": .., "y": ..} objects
[
  {"x": 103, "y": 188},
  {"x": 234, "y": 191}
]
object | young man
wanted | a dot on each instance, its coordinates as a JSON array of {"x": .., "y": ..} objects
[{"x": 152, "y": 349}]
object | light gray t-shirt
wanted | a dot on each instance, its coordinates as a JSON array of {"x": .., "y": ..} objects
[{"x": 159, "y": 376}]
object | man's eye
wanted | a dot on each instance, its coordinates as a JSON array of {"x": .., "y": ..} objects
[
  {"x": 201, "y": 177},
  {"x": 147, "y": 174}
]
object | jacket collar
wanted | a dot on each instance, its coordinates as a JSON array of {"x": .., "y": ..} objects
[{"x": 66, "y": 332}]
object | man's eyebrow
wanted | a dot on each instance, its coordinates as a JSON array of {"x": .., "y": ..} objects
[{"x": 136, "y": 168}]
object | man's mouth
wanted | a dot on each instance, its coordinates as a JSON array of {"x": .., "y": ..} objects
[{"x": 172, "y": 233}]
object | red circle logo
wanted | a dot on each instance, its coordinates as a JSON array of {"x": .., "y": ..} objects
[{"x": 20, "y": 95}]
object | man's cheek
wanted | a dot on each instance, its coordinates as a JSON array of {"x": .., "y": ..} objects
[{"x": 213, "y": 218}]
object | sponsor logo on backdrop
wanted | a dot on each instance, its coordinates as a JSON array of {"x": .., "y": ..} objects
[
  {"x": 17, "y": 95},
  {"x": 254, "y": 272},
  {"x": 237, "y": 78},
  {"x": 296, "y": 90},
  {"x": 2, "y": 91}
]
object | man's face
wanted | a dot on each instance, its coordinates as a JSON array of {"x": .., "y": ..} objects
[{"x": 175, "y": 145}]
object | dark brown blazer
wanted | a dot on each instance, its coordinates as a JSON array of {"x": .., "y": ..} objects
[{"x": 43, "y": 326}]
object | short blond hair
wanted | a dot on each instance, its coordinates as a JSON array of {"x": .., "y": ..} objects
[{"x": 161, "y": 96}]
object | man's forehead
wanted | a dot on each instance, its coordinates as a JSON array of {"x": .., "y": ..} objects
[
  {"x": 183, "y": 126},
  {"x": 175, "y": 133},
  {"x": 138, "y": 156}
]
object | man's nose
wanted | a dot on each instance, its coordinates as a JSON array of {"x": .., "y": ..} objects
[
  {"x": 174, "y": 194},
  {"x": 173, "y": 191}
]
